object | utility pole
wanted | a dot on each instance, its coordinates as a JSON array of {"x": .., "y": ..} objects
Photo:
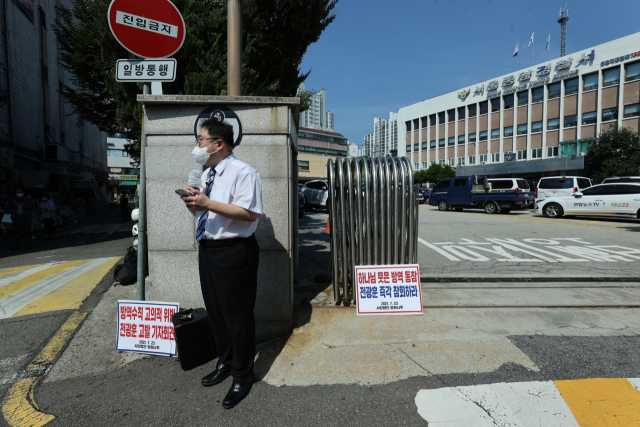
[
  {"x": 234, "y": 47},
  {"x": 563, "y": 17}
]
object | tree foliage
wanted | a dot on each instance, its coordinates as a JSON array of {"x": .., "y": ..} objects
[
  {"x": 434, "y": 173},
  {"x": 276, "y": 35},
  {"x": 616, "y": 152}
]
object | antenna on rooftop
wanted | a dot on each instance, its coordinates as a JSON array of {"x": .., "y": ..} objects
[{"x": 563, "y": 17}]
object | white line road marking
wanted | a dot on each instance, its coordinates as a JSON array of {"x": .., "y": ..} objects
[
  {"x": 635, "y": 382},
  {"x": 21, "y": 274},
  {"x": 8, "y": 368},
  {"x": 13, "y": 303},
  {"x": 437, "y": 249},
  {"x": 526, "y": 404}
]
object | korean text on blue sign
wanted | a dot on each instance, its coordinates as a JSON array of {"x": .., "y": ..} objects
[
  {"x": 388, "y": 289},
  {"x": 146, "y": 327}
]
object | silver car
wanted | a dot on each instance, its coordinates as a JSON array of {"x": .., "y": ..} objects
[{"x": 316, "y": 194}]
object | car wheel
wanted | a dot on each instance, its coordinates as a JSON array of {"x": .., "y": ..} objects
[
  {"x": 490, "y": 208},
  {"x": 553, "y": 210},
  {"x": 443, "y": 205},
  {"x": 458, "y": 209}
]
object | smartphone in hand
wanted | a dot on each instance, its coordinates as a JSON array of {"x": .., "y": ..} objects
[{"x": 180, "y": 192}]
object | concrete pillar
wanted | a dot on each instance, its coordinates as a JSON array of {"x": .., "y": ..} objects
[{"x": 270, "y": 145}]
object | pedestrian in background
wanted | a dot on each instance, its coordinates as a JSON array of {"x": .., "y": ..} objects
[
  {"x": 48, "y": 209},
  {"x": 124, "y": 207},
  {"x": 20, "y": 207}
]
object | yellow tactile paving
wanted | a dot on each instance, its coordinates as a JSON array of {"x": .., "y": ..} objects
[{"x": 602, "y": 402}]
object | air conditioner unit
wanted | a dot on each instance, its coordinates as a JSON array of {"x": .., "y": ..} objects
[
  {"x": 56, "y": 152},
  {"x": 6, "y": 158},
  {"x": 482, "y": 163},
  {"x": 582, "y": 153},
  {"x": 15, "y": 177}
]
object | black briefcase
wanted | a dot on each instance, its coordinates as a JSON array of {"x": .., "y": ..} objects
[{"x": 194, "y": 339}]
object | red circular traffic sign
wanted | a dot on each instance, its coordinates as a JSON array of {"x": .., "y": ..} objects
[{"x": 147, "y": 28}]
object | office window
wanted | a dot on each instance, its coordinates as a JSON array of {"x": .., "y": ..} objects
[
  {"x": 408, "y": 148},
  {"x": 571, "y": 86},
  {"x": 433, "y": 162},
  {"x": 495, "y": 133},
  {"x": 538, "y": 94},
  {"x": 303, "y": 165},
  {"x": 611, "y": 77},
  {"x": 495, "y": 158},
  {"x": 554, "y": 90},
  {"x": 416, "y": 166},
  {"x": 508, "y": 131},
  {"x": 433, "y": 144},
  {"x": 452, "y": 115},
  {"x": 424, "y": 145},
  {"x": 472, "y": 137},
  {"x": 460, "y": 139},
  {"x": 553, "y": 124},
  {"x": 461, "y": 113},
  {"x": 633, "y": 71},
  {"x": 408, "y": 125},
  {"x": 523, "y": 97},
  {"x": 424, "y": 122},
  {"x": 472, "y": 110},
  {"x": 552, "y": 151},
  {"x": 610, "y": 114},
  {"x": 632, "y": 110},
  {"x": 416, "y": 147},
  {"x": 536, "y": 127},
  {"x": 416, "y": 124},
  {"x": 536, "y": 153},
  {"x": 424, "y": 165},
  {"x": 522, "y": 154},
  {"x": 472, "y": 160},
  {"x": 441, "y": 142},
  {"x": 495, "y": 105},
  {"x": 571, "y": 120},
  {"x": 522, "y": 129},
  {"x": 441, "y": 162},
  {"x": 432, "y": 120},
  {"x": 484, "y": 107},
  {"x": 452, "y": 162},
  {"x": 508, "y": 102},
  {"x": 589, "y": 118},
  {"x": 591, "y": 81},
  {"x": 483, "y": 159},
  {"x": 441, "y": 117},
  {"x": 460, "y": 161},
  {"x": 452, "y": 141},
  {"x": 483, "y": 135}
]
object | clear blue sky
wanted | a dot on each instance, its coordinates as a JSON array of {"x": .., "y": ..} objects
[{"x": 378, "y": 56}]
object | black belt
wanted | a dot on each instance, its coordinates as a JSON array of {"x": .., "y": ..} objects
[{"x": 207, "y": 243}]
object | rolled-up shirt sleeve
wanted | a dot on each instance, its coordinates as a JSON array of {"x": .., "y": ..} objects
[{"x": 248, "y": 191}]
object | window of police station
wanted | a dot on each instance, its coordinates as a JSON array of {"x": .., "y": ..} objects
[
  {"x": 611, "y": 77},
  {"x": 523, "y": 97},
  {"x": 633, "y": 71}
]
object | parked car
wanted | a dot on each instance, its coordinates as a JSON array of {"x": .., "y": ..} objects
[
  {"x": 423, "y": 195},
  {"x": 619, "y": 200},
  {"x": 300, "y": 204},
  {"x": 625, "y": 179},
  {"x": 511, "y": 185},
  {"x": 553, "y": 186},
  {"x": 316, "y": 195},
  {"x": 464, "y": 193},
  {"x": 300, "y": 187}
]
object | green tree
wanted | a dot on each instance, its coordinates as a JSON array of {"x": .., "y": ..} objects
[
  {"x": 276, "y": 35},
  {"x": 434, "y": 173},
  {"x": 616, "y": 152}
]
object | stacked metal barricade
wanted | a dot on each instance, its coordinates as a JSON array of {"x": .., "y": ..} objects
[{"x": 373, "y": 214}]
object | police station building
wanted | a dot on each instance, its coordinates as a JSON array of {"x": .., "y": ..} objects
[{"x": 535, "y": 122}]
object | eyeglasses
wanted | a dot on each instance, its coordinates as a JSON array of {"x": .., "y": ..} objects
[{"x": 200, "y": 139}]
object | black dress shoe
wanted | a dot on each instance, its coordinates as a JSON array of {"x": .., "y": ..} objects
[
  {"x": 238, "y": 391},
  {"x": 220, "y": 374}
]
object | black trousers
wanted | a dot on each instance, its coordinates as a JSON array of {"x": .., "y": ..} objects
[{"x": 229, "y": 279}]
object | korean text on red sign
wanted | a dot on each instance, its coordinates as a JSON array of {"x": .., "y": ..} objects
[
  {"x": 388, "y": 289},
  {"x": 146, "y": 327}
]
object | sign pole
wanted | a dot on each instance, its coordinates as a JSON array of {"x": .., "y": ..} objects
[
  {"x": 142, "y": 202},
  {"x": 234, "y": 47}
]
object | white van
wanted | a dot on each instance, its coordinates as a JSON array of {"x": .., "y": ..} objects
[
  {"x": 553, "y": 186},
  {"x": 508, "y": 185}
]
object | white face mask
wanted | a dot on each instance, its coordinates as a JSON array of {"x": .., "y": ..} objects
[{"x": 200, "y": 155}]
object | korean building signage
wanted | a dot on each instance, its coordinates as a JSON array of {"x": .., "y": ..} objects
[
  {"x": 587, "y": 56},
  {"x": 620, "y": 58}
]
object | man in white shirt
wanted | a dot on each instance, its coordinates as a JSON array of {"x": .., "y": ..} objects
[{"x": 227, "y": 208}]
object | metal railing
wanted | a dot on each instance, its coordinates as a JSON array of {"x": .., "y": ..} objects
[{"x": 373, "y": 214}]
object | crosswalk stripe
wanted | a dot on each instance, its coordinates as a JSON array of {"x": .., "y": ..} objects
[
  {"x": 70, "y": 295},
  {"x": 6, "y": 271},
  {"x": 31, "y": 289},
  {"x": 21, "y": 274},
  {"x": 32, "y": 276},
  {"x": 635, "y": 382},
  {"x": 601, "y": 401}
]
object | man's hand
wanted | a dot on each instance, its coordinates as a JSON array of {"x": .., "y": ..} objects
[{"x": 198, "y": 201}]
